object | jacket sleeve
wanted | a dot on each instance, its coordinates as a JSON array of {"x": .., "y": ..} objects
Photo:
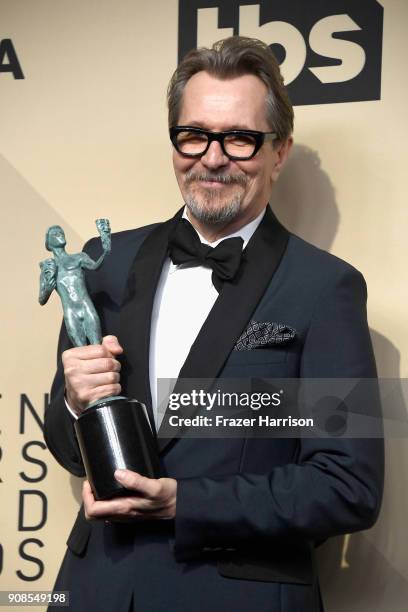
[
  {"x": 59, "y": 430},
  {"x": 334, "y": 487}
]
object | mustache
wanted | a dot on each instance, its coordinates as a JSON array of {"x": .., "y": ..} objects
[{"x": 227, "y": 179}]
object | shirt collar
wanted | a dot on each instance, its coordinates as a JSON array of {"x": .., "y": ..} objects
[{"x": 245, "y": 232}]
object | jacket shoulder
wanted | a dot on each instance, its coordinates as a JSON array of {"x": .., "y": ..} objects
[{"x": 317, "y": 264}]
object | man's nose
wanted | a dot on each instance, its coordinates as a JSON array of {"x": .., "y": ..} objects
[{"x": 214, "y": 157}]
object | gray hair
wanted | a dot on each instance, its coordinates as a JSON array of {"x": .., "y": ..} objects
[{"x": 233, "y": 57}]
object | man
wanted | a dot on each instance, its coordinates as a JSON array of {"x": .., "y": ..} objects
[{"x": 233, "y": 523}]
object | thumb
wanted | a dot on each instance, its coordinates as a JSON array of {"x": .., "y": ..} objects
[{"x": 112, "y": 344}]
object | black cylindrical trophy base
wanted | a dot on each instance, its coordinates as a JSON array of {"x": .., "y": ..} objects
[{"x": 115, "y": 434}]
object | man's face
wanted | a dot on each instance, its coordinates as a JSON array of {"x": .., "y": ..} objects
[{"x": 219, "y": 105}]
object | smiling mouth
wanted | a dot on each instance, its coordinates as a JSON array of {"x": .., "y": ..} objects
[
  {"x": 216, "y": 184},
  {"x": 213, "y": 183}
]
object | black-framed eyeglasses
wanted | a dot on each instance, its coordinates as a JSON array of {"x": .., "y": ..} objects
[{"x": 235, "y": 144}]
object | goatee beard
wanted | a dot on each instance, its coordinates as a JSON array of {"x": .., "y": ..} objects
[
  {"x": 205, "y": 211},
  {"x": 214, "y": 215}
]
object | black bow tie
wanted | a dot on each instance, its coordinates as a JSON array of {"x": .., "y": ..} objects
[{"x": 185, "y": 247}]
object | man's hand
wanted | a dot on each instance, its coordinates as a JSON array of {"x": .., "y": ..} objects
[
  {"x": 91, "y": 373},
  {"x": 156, "y": 499}
]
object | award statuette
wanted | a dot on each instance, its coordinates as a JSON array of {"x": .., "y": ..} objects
[{"x": 113, "y": 432}]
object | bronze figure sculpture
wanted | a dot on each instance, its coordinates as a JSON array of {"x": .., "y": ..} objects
[{"x": 65, "y": 274}]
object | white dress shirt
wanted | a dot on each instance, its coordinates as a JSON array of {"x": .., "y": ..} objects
[{"x": 184, "y": 297}]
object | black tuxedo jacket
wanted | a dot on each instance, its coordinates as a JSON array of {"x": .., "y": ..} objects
[{"x": 249, "y": 511}]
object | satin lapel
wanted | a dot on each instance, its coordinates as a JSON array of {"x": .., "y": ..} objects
[
  {"x": 235, "y": 305},
  {"x": 136, "y": 313}
]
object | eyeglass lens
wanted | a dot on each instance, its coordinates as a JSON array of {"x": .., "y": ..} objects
[{"x": 237, "y": 145}]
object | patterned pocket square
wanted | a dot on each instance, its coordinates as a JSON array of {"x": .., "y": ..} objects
[{"x": 259, "y": 335}]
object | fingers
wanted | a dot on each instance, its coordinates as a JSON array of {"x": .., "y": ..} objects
[
  {"x": 152, "y": 499},
  {"x": 112, "y": 344},
  {"x": 102, "y": 379},
  {"x": 109, "y": 347},
  {"x": 154, "y": 495},
  {"x": 92, "y": 351},
  {"x": 91, "y": 373},
  {"x": 148, "y": 487},
  {"x": 122, "y": 508},
  {"x": 99, "y": 366}
]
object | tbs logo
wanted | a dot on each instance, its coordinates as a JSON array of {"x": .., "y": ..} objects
[{"x": 328, "y": 51}]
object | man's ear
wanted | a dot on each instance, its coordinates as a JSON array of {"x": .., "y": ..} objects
[{"x": 282, "y": 151}]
